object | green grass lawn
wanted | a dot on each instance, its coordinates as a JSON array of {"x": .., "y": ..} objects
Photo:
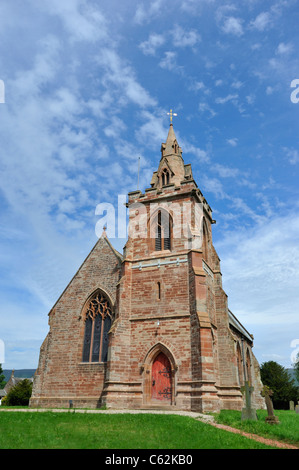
[
  {"x": 51, "y": 430},
  {"x": 287, "y": 430}
]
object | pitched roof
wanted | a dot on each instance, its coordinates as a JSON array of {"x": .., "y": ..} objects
[{"x": 100, "y": 240}]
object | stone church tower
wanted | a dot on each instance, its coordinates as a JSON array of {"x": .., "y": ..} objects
[{"x": 150, "y": 328}]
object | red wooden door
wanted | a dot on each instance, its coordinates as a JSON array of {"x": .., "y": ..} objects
[{"x": 161, "y": 379}]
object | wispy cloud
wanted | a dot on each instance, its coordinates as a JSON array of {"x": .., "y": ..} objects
[
  {"x": 146, "y": 11},
  {"x": 122, "y": 76},
  {"x": 226, "y": 99},
  {"x": 292, "y": 155},
  {"x": 262, "y": 21},
  {"x": 169, "y": 61},
  {"x": 150, "y": 46}
]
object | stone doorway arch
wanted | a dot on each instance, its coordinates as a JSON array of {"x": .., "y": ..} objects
[{"x": 159, "y": 368}]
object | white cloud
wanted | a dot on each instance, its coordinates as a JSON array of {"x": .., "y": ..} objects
[
  {"x": 169, "y": 61},
  {"x": 250, "y": 98},
  {"x": 204, "y": 107},
  {"x": 152, "y": 130},
  {"x": 122, "y": 76},
  {"x": 259, "y": 267},
  {"x": 150, "y": 46},
  {"x": 196, "y": 86},
  {"x": 226, "y": 99},
  {"x": 233, "y": 26},
  {"x": 292, "y": 155},
  {"x": 146, "y": 12},
  {"x": 213, "y": 186},
  {"x": 183, "y": 38},
  {"x": 284, "y": 48},
  {"x": 262, "y": 21},
  {"x": 237, "y": 84},
  {"x": 200, "y": 154},
  {"x": 233, "y": 142},
  {"x": 83, "y": 20},
  {"x": 226, "y": 172}
]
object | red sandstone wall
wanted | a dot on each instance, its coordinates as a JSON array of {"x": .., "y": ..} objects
[{"x": 61, "y": 375}]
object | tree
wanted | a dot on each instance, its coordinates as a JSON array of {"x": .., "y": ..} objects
[
  {"x": 2, "y": 378},
  {"x": 277, "y": 378},
  {"x": 20, "y": 394}
]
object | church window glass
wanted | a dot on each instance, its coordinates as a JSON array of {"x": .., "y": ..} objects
[{"x": 98, "y": 319}]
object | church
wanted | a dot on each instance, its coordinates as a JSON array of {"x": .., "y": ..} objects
[{"x": 150, "y": 328}]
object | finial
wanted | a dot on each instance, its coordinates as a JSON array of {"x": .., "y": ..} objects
[
  {"x": 170, "y": 114},
  {"x": 104, "y": 234}
]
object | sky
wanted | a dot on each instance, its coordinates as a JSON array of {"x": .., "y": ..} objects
[{"x": 85, "y": 87}]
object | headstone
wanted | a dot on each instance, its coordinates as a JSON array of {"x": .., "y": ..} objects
[
  {"x": 248, "y": 412},
  {"x": 271, "y": 418},
  {"x": 297, "y": 409},
  {"x": 292, "y": 406}
]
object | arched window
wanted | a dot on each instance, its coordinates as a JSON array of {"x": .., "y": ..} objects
[
  {"x": 162, "y": 231},
  {"x": 248, "y": 367},
  {"x": 239, "y": 364},
  {"x": 98, "y": 318},
  {"x": 165, "y": 177},
  {"x": 205, "y": 242}
]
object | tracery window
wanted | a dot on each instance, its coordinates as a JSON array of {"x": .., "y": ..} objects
[{"x": 98, "y": 319}]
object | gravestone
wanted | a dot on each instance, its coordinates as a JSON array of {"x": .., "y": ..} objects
[
  {"x": 248, "y": 412},
  {"x": 292, "y": 406},
  {"x": 271, "y": 418},
  {"x": 297, "y": 409}
]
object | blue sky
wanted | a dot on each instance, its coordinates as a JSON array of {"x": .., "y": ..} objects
[{"x": 87, "y": 88}]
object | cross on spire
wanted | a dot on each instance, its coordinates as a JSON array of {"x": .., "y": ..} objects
[{"x": 171, "y": 114}]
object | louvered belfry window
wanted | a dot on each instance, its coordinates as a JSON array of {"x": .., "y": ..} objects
[
  {"x": 163, "y": 229},
  {"x": 165, "y": 177},
  {"x": 98, "y": 318}
]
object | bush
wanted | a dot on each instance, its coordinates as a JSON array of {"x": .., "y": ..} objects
[{"x": 20, "y": 394}]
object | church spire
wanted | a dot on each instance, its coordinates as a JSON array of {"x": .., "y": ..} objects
[{"x": 171, "y": 146}]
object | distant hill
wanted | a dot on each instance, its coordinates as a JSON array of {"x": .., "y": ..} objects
[
  {"x": 23, "y": 373},
  {"x": 291, "y": 373}
]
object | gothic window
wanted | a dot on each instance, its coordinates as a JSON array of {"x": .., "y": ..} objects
[
  {"x": 98, "y": 318},
  {"x": 239, "y": 364},
  {"x": 205, "y": 242},
  {"x": 165, "y": 177},
  {"x": 162, "y": 231},
  {"x": 248, "y": 367}
]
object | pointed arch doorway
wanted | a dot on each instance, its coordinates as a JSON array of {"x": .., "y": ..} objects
[
  {"x": 159, "y": 369},
  {"x": 161, "y": 389}
]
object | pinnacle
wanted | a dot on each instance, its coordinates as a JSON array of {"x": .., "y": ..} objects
[{"x": 171, "y": 138}]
